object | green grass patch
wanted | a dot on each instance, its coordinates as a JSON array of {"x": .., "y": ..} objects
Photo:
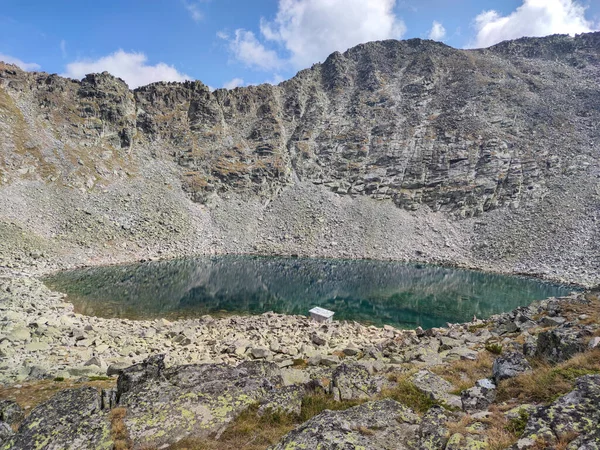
[
  {"x": 316, "y": 403},
  {"x": 494, "y": 348},
  {"x": 407, "y": 393}
]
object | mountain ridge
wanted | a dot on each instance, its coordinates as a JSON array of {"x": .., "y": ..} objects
[{"x": 505, "y": 136}]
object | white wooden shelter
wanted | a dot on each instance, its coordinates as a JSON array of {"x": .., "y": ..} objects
[{"x": 321, "y": 314}]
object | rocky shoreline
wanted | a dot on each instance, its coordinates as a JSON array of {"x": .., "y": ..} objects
[{"x": 41, "y": 338}]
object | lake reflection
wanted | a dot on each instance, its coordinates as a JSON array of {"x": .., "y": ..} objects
[{"x": 378, "y": 292}]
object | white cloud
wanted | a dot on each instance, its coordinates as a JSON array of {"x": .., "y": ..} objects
[
  {"x": 310, "y": 30},
  {"x": 17, "y": 62},
  {"x": 194, "y": 10},
  {"x": 248, "y": 50},
  {"x": 437, "y": 31},
  {"x": 131, "y": 67},
  {"x": 63, "y": 48},
  {"x": 232, "y": 84},
  {"x": 532, "y": 18}
]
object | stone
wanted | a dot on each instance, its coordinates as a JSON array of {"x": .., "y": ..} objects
[
  {"x": 594, "y": 342},
  {"x": 379, "y": 425},
  {"x": 95, "y": 361},
  {"x": 436, "y": 388},
  {"x": 509, "y": 365},
  {"x": 560, "y": 344},
  {"x": 353, "y": 382},
  {"x": 19, "y": 334},
  {"x": 6, "y": 432},
  {"x": 433, "y": 433},
  {"x": 548, "y": 321},
  {"x": 330, "y": 360},
  {"x": 286, "y": 400},
  {"x": 575, "y": 415},
  {"x": 10, "y": 412},
  {"x": 260, "y": 352},
  {"x": 116, "y": 368},
  {"x": 317, "y": 340},
  {"x": 447, "y": 343},
  {"x": 196, "y": 400},
  {"x": 479, "y": 397},
  {"x": 351, "y": 351},
  {"x": 294, "y": 377},
  {"x": 72, "y": 419}
]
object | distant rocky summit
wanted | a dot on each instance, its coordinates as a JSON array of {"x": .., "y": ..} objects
[{"x": 393, "y": 149}]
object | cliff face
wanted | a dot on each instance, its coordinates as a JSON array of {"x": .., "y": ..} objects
[{"x": 507, "y": 135}]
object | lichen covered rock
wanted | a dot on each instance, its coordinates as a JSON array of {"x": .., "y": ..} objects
[
  {"x": 71, "y": 420},
  {"x": 353, "y": 382},
  {"x": 380, "y": 425},
  {"x": 510, "y": 365},
  {"x": 576, "y": 414},
  {"x": 166, "y": 405}
]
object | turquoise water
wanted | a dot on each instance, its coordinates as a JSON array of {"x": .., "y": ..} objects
[{"x": 377, "y": 292}]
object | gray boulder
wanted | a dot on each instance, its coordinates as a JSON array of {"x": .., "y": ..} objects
[
  {"x": 436, "y": 388},
  {"x": 353, "y": 382},
  {"x": 575, "y": 414},
  {"x": 380, "y": 425},
  {"x": 10, "y": 412},
  {"x": 71, "y": 420},
  {"x": 561, "y": 343},
  {"x": 509, "y": 365},
  {"x": 479, "y": 397},
  {"x": 165, "y": 405}
]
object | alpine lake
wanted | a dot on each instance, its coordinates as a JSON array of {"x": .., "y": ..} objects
[{"x": 372, "y": 292}]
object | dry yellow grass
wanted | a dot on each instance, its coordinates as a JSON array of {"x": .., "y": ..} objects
[
  {"x": 118, "y": 430},
  {"x": 464, "y": 373},
  {"x": 31, "y": 394},
  {"x": 249, "y": 431},
  {"x": 545, "y": 383}
]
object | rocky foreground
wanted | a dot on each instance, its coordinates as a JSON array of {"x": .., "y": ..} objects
[{"x": 526, "y": 379}]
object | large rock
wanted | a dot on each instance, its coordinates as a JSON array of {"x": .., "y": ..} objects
[
  {"x": 436, "y": 388},
  {"x": 71, "y": 420},
  {"x": 353, "y": 382},
  {"x": 509, "y": 366},
  {"x": 561, "y": 343},
  {"x": 166, "y": 405},
  {"x": 479, "y": 397},
  {"x": 380, "y": 425},
  {"x": 575, "y": 415}
]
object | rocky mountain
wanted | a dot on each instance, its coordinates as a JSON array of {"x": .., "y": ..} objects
[{"x": 394, "y": 149}]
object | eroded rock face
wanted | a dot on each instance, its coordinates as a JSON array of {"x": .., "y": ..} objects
[
  {"x": 576, "y": 413},
  {"x": 384, "y": 424},
  {"x": 73, "y": 419},
  {"x": 166, "y": 405}
]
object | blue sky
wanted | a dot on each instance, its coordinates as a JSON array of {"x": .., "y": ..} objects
[{"x": 232, "y": 42}]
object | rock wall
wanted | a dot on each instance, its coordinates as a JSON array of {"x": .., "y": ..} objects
[{"x": 498, "y": 147}]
